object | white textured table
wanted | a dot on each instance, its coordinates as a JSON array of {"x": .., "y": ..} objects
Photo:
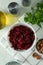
[{"x": 26, "y": 58}]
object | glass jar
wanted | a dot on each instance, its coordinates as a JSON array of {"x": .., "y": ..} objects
[{"x": 26, "y": 2}]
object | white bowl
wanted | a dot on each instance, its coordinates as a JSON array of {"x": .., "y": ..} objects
[{"x": 25, "y": 24}]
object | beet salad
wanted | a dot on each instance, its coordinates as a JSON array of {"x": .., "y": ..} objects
[{"x": 21, "y": 37}]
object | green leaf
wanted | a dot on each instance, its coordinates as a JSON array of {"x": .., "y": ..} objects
[
  {"x": 26, "y": 19},
  {"x": 40, "y": 5},
  {"x": 29, "y": 14},
  {"x": 37, "y": 14}
]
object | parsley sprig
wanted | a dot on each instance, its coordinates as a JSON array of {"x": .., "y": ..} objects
[{"x": 36, "y": 16}]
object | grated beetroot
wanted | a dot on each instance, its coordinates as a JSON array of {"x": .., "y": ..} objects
[{"x": 21, "y": 37}]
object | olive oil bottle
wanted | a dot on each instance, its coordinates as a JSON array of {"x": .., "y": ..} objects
[
  {"x": 7, "y": 19},
  {"x": 2, "y": 20}
]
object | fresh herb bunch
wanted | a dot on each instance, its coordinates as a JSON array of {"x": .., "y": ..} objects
[{"x": 36, "y": 16}]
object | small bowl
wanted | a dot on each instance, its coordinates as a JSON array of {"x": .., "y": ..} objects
[
  {"x": 27, "y": 25},
  {"x": 37, "y": 50}
]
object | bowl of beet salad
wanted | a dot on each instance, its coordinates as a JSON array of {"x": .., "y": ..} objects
[{"x": 22, "y": 36}]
